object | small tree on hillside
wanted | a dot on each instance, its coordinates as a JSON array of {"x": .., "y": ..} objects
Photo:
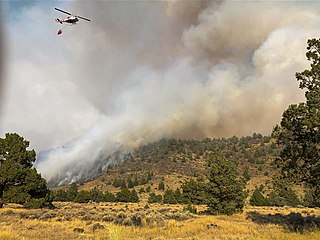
[
  {"x": 161, "y": 185},
  {"x": 60, "y": 196},
  {"x": 96, "y": 195},
  {"x": 225, "y": 191},
  {"x": 83, "y": 197},
  {"x": 169, "y": 197},
  {"x": 283, "y": 194},
  {"x": 154, "y": 198},
  {"x": 72, "y": 192},
  {"x": 257, "y": 199}
]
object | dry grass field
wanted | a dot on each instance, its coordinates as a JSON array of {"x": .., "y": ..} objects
[{"x": 117, "y": 221}]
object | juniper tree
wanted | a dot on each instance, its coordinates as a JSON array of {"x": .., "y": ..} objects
[
  {"x": 19, "y": 181},
  {"x": 72, "y": 192},
  {"x": 299, "y": 130},
  {"x": 169, "y": 197},
  {"x": 161, "y": 185},
  {"x": 194, "y": 192},
  {"x": 224, "y": 190},
  {"x": 257, "y": 199}
]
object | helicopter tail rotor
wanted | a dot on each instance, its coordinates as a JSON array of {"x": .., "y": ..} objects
[{"x": 58, "y": 20}]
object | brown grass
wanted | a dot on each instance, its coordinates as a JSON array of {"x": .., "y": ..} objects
[{"x": 59, "y": 223}]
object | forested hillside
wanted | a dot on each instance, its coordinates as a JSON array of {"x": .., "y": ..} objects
[{"x": 172, "y": 161}]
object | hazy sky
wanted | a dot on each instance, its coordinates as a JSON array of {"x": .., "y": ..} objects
[{"x": 145, "y": 70}]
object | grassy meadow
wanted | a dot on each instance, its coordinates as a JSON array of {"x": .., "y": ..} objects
[{"x": 117, "y": 221}]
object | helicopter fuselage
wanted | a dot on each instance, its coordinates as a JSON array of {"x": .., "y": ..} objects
[{"x": 72, "y": 20}]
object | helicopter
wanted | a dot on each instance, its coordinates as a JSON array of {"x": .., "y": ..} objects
[{"x": 72, "y": 19}]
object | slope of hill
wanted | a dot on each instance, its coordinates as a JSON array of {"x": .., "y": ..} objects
[{"x": 175, "y": 160}]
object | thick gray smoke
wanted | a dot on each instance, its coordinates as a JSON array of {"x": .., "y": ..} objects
[{"x": 142, "y": 71}]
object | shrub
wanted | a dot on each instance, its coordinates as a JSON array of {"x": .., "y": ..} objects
[{"x": 190, "y": 208}]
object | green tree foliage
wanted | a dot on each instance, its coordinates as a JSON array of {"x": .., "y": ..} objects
[
  {"x": 194, "y": 192},
  {"x": 96, "y": 195},
  {"x": 169, "y": 197},
  {"x": 109, "y": 197},
  {"x": 82, "y": 197},
  {"x": 130, "y": 183},
  {"x": 72, "y": 192},
  {"x": 283, "y": 194},
  {"x": 312, "y": 196},
  {"x": 142, "y": 190},
  {"x": 257, "y": 199},
  {"x": 299, "y": 130},
  {"x": 161, "y": 185},
  {"x": 136, "y": 181},
  {"x": 225, "y": 192},
  {"x": 19, "y": 181},
  {"x": 178, "y": 195},
  {"x": 154, "y": 198},
  {"x": 119, "y": 183},
  {"x": 149, "y": 176},
  {"x": 246, "y": 174},
  {"x": 60, "y": 195},
  {"x": 134, "y": 196},
  {"x": 125, "y": 195}
]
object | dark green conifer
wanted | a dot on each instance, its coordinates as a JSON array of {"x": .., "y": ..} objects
[
  {"x": 225, "y": 191},
  {"x": 19, "y": 181}
]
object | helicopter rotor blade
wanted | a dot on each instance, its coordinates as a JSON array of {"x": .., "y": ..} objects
[
  {"x": 63, "y": 11},
  {"x": 83, "y": 18}
]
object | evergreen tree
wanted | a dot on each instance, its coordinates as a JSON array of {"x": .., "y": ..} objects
[
  {"x": 246, "y": 174},
  {"x": 311, "y": 197},
  {"x": 299, "y": 130},
  {"x": 97, "y": 195},
  {"x": 60, "y": 195},
  {"x": 72, "y": 192},
  {"x": 130, "y": 183},
  {"x": 225, "y": 192},
  {"x": 109, "y": 197},
  {"x": 143, "y": 180},
  {"x": 161, "y": 185},
  {"x": 123, "y": 183},
  {"x": 283, "y": 194},
  {"x": 123, "y": 195},
  {"x": 154, "y": 198},
  {"x": 178, "y": 195},
  {"x": 116, "y": 182},
  {"x": 19, "y": 181},
  {"x": 83, "y": 197},
  {"x": 193, "y": 192},
  {"x": 136, "y": 181},
  {"x": 169, "y": 197},
  {"x": 258, "y": 199},
  {"x": 134, "y": 196}
]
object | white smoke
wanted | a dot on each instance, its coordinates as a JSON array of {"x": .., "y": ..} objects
[{"x": 142, "y": 71}]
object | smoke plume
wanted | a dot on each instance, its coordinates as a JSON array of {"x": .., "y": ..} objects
[{"x": 142, "y": 71}]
